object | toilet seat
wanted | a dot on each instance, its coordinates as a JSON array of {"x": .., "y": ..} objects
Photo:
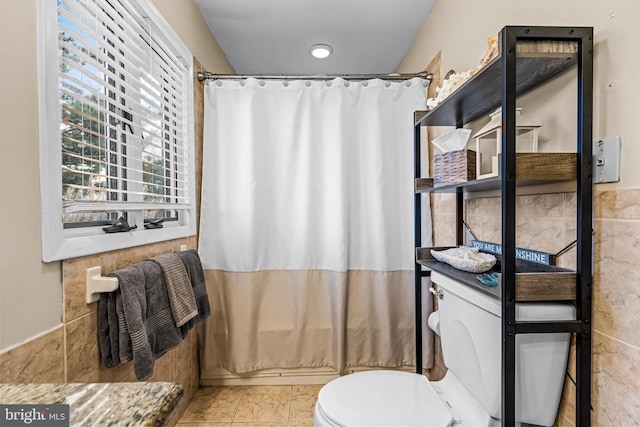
[{"x": 382, "y": 398}]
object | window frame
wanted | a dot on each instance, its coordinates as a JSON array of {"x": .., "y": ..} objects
[{"x": 60, "y": 243}]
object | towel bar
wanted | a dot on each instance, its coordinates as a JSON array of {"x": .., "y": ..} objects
[{"x": 96, "y": 283}]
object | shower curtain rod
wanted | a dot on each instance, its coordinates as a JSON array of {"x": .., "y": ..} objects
[{"x": 205, "y": 75}]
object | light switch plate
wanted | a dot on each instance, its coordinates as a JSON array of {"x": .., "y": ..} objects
[{"x": 606, "y": 160}]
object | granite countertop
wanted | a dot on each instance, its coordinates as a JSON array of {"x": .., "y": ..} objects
[{"x": 102, "y": 404}]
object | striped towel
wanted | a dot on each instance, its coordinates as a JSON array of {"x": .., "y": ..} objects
[
  {"x": 192, "y": 263},
  {"x": 179, "y": 288}
]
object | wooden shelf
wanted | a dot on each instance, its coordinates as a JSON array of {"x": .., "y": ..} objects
[
  {"x": 537, "y": 61},
  {"x": 534, "y": 282},
  {"x": 531, "y": 169}
]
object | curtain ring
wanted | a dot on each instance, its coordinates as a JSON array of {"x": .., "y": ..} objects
[
  {"x": 219, "y": 83},
  {"x": 425, "y": 83},
  {"x": 285, "y": 83},
  {"x": 365, "y": 83},
  {"x": 328, "y": 83},
  {"x": 387, "y": 83},
  {"x": 346, "y": 83},
  {"x": 261, "y": 83},
  {"x": 308, "y": 83},
  {"x": 407, "y": 83},
  {"x": 242, "y": 83}
]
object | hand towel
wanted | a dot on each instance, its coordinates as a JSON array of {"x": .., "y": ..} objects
[
  {"x": 183, "y": 302},
  {"x": 147, "y": 315},
  {"x": 193, "y": 265}
]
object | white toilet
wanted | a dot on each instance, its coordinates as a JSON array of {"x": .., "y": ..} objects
[{"x": 469, "y": 325}]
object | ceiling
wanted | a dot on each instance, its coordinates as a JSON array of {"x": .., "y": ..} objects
[{"x": 274, "y": 36}]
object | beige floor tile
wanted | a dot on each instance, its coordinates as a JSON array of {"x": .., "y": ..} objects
[
  {"x": 303, "y": 400},
  {"x": 213, "y": 404},
  {"x": 261, "y": 424},
  {"x": 264, "y": 403},
  {"x": 202, "y": 424},
  {"x": 300, "y": 424}
]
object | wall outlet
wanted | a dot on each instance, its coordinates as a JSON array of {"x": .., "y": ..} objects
[{"x": 606, "y": 160}]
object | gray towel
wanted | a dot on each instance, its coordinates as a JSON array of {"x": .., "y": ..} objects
[
  {"x": 124, "y": 339},
  {"x": 193, "y": 265},
  {"x": 147, "y": 316},
  {"x": 183, "y": 302},
  {"x": 108, "y": 330}
]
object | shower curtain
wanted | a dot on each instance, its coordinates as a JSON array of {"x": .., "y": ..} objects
[{"x": 306, "y": 230}]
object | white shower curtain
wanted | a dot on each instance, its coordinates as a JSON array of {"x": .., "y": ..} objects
[{"x": 306, "y": 230}]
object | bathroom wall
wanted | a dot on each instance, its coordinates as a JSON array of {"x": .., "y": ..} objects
[
  {"x": 186, "y": 20},
  {"x": 47, "y": 331},
  {"x": 457, "y": 30}
]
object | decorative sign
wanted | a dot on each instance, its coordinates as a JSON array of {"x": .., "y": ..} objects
[{"x": 524, "y": 254}]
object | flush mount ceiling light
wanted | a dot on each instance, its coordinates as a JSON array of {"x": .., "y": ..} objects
[{"x": 321, "y": 50}]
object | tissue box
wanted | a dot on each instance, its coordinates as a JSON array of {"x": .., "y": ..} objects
[{"x": 454, "y": 167}]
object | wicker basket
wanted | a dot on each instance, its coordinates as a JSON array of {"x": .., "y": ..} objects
[{"x": 454, "y": 167}]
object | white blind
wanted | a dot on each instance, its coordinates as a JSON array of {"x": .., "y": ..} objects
[{"x": 124, "y": 119}]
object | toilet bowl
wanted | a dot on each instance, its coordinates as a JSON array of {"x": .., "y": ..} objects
[
  {"x": 395, "y": 398},
  {"x": 470, "y": 393}
]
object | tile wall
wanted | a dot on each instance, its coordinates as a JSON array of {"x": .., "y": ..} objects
[
  {"x": 70, "y": 354},
  {"x": 547, "y": 222}
]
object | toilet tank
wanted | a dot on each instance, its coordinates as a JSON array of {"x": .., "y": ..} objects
[{"x": 470, "y": 329}]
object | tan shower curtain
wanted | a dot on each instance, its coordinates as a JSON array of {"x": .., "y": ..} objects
[
  {"x": 313, "y": 318},
  {"x": 306, "y": 226}
]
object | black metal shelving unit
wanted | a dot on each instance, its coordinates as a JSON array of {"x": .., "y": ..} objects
[{"x": 529, "y": 56}]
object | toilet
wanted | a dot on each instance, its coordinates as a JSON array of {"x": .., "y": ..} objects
[{"x": 469, "y": 325}]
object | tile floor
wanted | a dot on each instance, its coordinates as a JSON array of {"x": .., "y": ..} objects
[{"x": 235, "y": 406}]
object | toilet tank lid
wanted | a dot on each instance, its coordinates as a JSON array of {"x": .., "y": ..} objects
[{"x": 383, "y": 398}]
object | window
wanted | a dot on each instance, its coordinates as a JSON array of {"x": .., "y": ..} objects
[{"x": 116, "y": 127}]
